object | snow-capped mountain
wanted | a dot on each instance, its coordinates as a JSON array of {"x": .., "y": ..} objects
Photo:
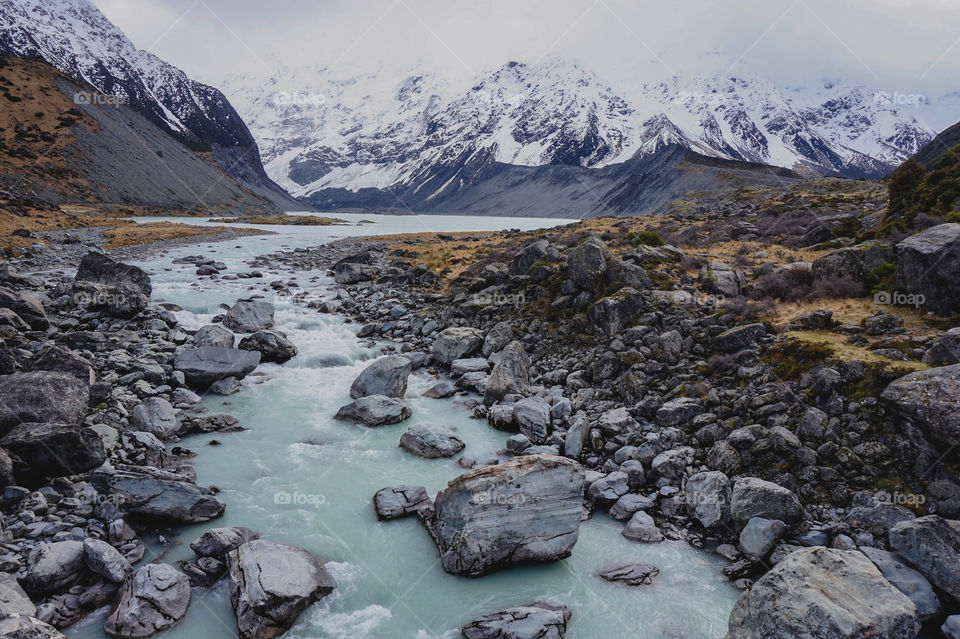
[
  {"x": 76, "y": 38},
  {"x": 321, "y": 132}
]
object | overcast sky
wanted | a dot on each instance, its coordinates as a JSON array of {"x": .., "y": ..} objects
[{"x": 911, "y": 46}]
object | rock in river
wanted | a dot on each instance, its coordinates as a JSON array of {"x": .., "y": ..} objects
[
  {"x": 400, "y": 501},
  {"x": 217, "y": 542},
  {"x": 156, "y": 493},
  {"x": 375, "y": 410},
  {"x": 632, "y": 574},
  {"x": 273, "y": 346},
  {"x": 525, "y": 510},
  {"x": 431, "y": 442},
  {"x": 41, "y": 397},
  {"x": 204, "y": 365},
  {"x": 819, "y": 592},
  {"x": 152, "y": 599},
  {"x": 213, "y": 335},
  {"x": 249, "y": 317},
  {"x": 536, "y": 621},
  {"x": 386, "y": 376},
  {"x": 271, "y": 584}
]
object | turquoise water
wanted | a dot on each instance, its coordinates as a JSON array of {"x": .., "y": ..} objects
[{"x": 390, "y": 583}]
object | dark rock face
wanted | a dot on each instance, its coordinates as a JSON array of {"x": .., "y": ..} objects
[
  {"x": 45, "y": 451},
  {"x": 217, "y": 542},
  {"x": 54, "y": 566},
  {"x": 538, "y": 251},
  {"x": 155, "y": 493},
  {"x": 587, "y": 264},
  {"x": 27, "y": 307},
  {"x": 456, "y": 343},
  {"x": 387, "y": 376},
  {"x": 536, "y": 621},
  {"x": 754, "y": 497},
  {"x": 511, "y": 374},
  {"x": 271, "y": 584},
  {"x": 272, "y": 346},
  {"x": 931, "y": 400},
  {"x": 205, "y": 365},
  {"x": 932, "y": 546},
  {"x": 124, "y": 300},
  {"x": 820, "y": 592},
  {"x": 42, "y": 397},
  {"x": 525, "y": 510},
  {"x": 927, "y": 265},
  {"x": 100, "y": 269},
  {"x": 151, "y": 600},
  {"x": 740, "y": 337},
  {"x": 249, "y": 317},
  {"x": 613, "y": 314}
]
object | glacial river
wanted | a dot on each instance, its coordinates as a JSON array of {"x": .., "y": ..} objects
[{"x": 301, "y": 478}]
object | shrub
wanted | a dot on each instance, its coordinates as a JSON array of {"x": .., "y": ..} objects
[
  {"x": 953, "y": 217},
  {"x": 646, "y": 238}
]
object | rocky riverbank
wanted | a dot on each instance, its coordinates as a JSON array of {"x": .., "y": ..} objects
[{"x": 813, "y": 442}]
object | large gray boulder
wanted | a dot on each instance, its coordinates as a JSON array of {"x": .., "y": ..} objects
[
  {"x": 100, "y": 269},
  {"x": 213, "y": 335},
  {"x": 375, "y": 410},
  {"x": 456, "y": 343},
  {"x": 535, "y": 621},
  {"x": 753, "y": 497},
  {"x": 156, "y": 416},
  {"x": 720, "y": 279},
  {"x": 42, "y": 397},
  {"x": 759, "y": 536},
  {"x": 217, "y": 542},
  {"x": 54, "y": 566},
  {"x": 156, "y": 493},
  {"x": 740, "y": 337},
  {"x": 152, "y": 599},
  {"x": 539, "y": 251},
  {"x": 532, "y": 415},
  {"x": 13, "y": 599},
  {"x": 395, "y": 502},
  {"x": 26, "y": 307},
  {"x": 708, "y": 498},
  {"x": 21, "y": 626},
  {"x": 387, "y": 376},
  {"x": 124, "y": 300},
  {"x": 249, "y": 317},
  {"x": 45, "y": 451},
  {"x": 820, "y": 593},
  {"x": 431, "y": 442},
  {"x": 525, "y": 510},
  {"x": 204, "y": 365},
  {"x": 932, "y": 546},
  {"x": 271, "y": 584},
  {"x": 587, "y": 264},
  {"x": 907, "y": 580},
  {"x": 273, "y": 346},
  {"x": 617, "y": 312},
  {"x": 106, "y": 561},
  {"x": 511, "y": 374},
  {"x": 930, "y": 399},
  {"x": 927, "y": 265}
]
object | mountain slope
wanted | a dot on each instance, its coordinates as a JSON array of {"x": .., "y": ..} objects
[
  {"x": 57, "y": 149},
  {"x": 324, "y": 136},
  {"x": 77, "y": 39}
]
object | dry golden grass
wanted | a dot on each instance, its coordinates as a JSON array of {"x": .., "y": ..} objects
[
  {"x": 849, "y": 311},
  {"x": 132, "y": 234},
  {"x": 847, "y": 352}
]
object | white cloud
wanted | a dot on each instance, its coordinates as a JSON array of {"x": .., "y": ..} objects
[{"x": 895, "y": 45}]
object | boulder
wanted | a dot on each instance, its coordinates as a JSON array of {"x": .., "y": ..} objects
[
  {"x": 930, "y": 399},
  {"x": 213, "y": 335},
  {"x": 14, "y": 321},
  {"x": 151, "y": 600},
  {"x": 907, "y": 580},
  {"x": 720, "y": 279},
  {"x": 61, "y": 360},
  {"x": 536, "y": 621},
  {"x": 608, "y": 489},
  {"x": 740, "y": 337},
  {"x": 817, "y": 593},
  {"x": 349, "y": 271},
  {"x": 54, "y": 566},
  {"x": 431, "y": 442},
  {"x": 642, "y": 528},
  {"x": 946, "y": 350},
  {"x": 400, "y": 501},
  {"x": 124, "y": 300},
  {"x": 510, "y": 376},
  {"x": 387, "y": 376},
  {"x": 46, "y": 451},
  {"x": 932, "y": 546},
  {"x": 708, "y": 498},
  {"x": 525, "y": 510},
  {"x": 13, "y": 599},
  {"x": 532, "y": 415},
  {"x": 273, "y": 346},
  {"x": 497, "y": 338},
  {"x": 587, "y": 264},
  {"x": 617, "y": 312},
  {"x": 632, "y": 574},
  {"x": 753, "y": 497},
  {"x": 217, "y": 542},
  {"x": 204, "y": 365},
  {"x": 26, "y": 307},
  {"x": 456, "y": 343},
  {"x": 577, "y": 436},
  {"x": 100, "y": 269},
  {"x": 927, "y": 265},
  {"x": 539, "y": 251},
  {"x": 41, "y": 397},
  {"x": 271, "y": 584},
  {"x": 440, "y": 390},
  {"x": 375, "y": 410},
  {"x": 156, "y": 416},
  {"x": 951, "y": 627},
  {"x": 249, "y": 317},
  {"x": 21, "y": 626},
  {"x": 106, "y": 561},
  {"x": 678, "y": 412},
  {"x": 156, "y": 493},
  {"x": 759, "y": 536}
]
